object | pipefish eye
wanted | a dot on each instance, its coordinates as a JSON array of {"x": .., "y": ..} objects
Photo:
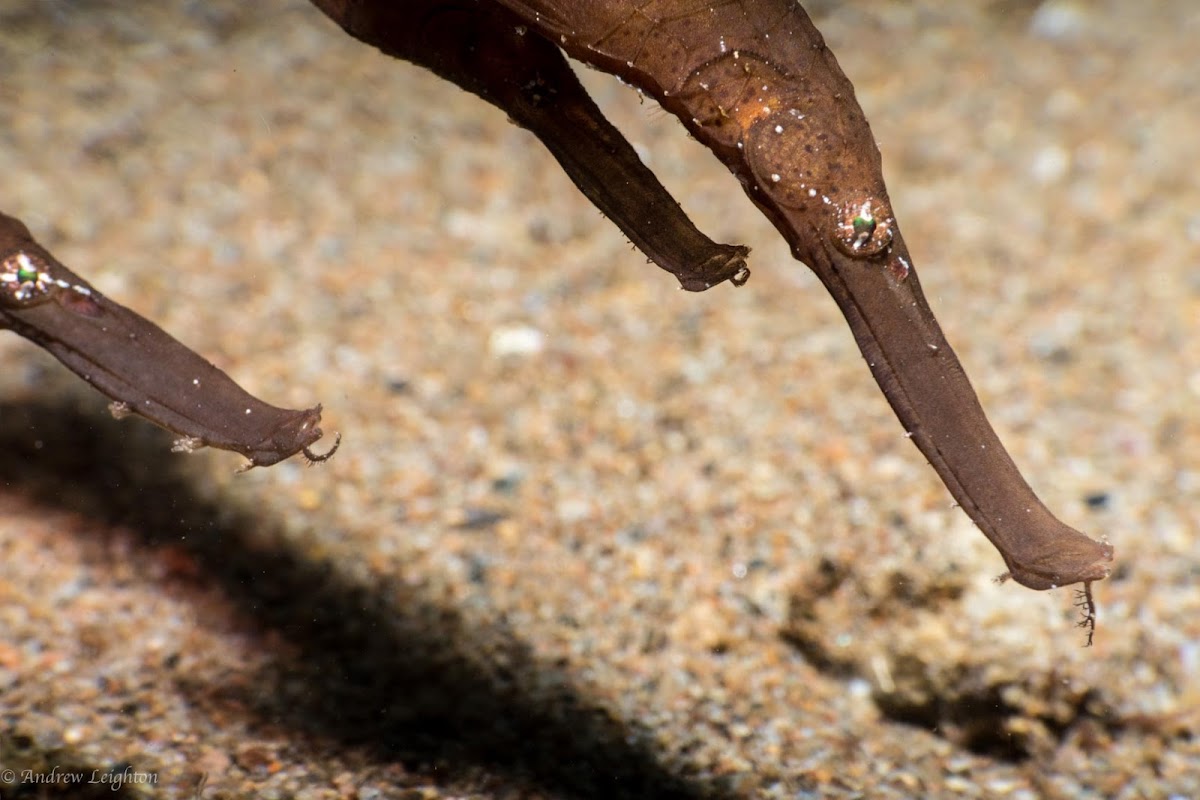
[
  {"x": 27, "y": 272},
  {"x": 864, "y": 228},
  {"x": 23, "y": 278}
]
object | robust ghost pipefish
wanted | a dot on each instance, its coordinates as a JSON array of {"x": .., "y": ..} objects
[
  {"x": 753, "y": 81},
  {"x": 140, "y": 367}
]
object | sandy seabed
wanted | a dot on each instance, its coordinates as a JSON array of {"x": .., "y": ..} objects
[{"x": 589, "y": 536}]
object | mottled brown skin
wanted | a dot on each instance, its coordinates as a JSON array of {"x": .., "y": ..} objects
[
  {"x": 143, "y": 369},
  {"x": 754, "y": 81}
]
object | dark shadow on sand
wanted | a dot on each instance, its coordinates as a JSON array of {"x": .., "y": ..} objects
[{"x": 381, "y": 668}]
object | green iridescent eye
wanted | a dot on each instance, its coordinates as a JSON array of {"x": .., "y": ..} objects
[
  {"x": 25, "y": 278},
  {"x": 26, "y": 274},
  {"x": 864, "y": 228}
]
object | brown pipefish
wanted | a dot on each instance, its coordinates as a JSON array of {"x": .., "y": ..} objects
[
  {"x": 753, "y": 81},
  {"x": 750, "y": 79},
  {"x": 138, "y": 365}
]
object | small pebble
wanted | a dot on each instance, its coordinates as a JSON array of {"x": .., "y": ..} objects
[{"x": 516, "y": 340}]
